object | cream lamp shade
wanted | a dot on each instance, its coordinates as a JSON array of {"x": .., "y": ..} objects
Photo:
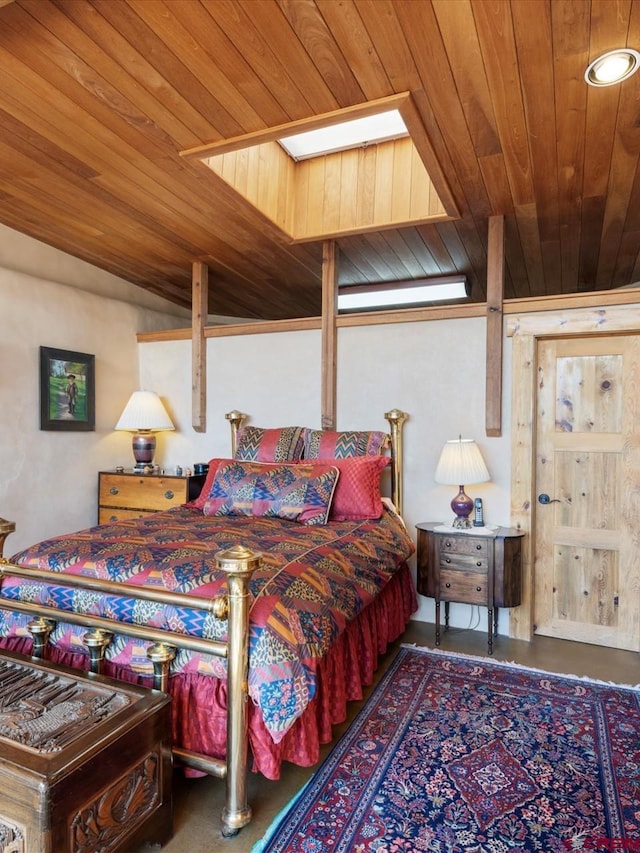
[
  {"x": 461, "y": 463},
  {"x": 144, "y": 415}
]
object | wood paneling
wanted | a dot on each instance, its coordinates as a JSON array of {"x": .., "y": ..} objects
[
  {"x": 381, "y": 183},
  {"x": 508, "y": 128}
]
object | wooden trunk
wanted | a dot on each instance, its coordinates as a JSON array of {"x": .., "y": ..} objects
[{"x": 85, "y": 761}]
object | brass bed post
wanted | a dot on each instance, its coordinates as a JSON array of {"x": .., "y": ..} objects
[
  {"x": 40, "y": 629},
  {"x": 396, "y": 420},
  {"x": 6, "y": 527},
  {"x": 97, "y": 641},
  {"x": 161, "y": 655},
  {"x": 235, "y": 419},
  {"x": 239, "y": 563}
]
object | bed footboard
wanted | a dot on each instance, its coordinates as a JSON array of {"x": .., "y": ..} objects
[{"x": 239, "y": 564}]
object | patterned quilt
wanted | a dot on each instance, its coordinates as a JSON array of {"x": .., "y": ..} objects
[{"x": 313, "y": 581}]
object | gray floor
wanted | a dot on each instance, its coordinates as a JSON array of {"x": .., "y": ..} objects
[{"x": 198, "y": 802}]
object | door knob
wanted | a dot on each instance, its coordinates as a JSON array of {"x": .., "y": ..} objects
[{"x": 545, "y": 499}]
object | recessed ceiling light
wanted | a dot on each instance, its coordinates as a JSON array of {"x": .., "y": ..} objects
[{"x": 612, "y": 67}]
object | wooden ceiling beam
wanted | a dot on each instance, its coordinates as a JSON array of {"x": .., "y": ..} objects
[
  {"x": 329, "y": 333},
  {"x": 495, "y": 296},
  {"x": 200, "y": 300}
]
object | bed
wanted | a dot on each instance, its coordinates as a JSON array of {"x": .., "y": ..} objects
[{"x": 261, "y": 607}]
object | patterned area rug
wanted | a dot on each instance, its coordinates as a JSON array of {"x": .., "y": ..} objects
[{"x": 453, "y": 753}]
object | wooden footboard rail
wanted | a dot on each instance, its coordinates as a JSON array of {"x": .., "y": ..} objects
[{"x": 239, "y": 564}]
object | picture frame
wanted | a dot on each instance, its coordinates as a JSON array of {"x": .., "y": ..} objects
[{"x": 67, "y": 390}]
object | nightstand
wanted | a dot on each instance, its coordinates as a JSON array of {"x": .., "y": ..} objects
[
  {"x": 470, "y": 567},
  {"x": 132, "y": 495}
]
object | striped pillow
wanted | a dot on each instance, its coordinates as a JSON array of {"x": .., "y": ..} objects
[
  {"x": 283, "y": 444},
  {"x": 327, "y": 444}
]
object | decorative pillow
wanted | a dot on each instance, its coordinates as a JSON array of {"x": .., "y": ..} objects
[
  {"x": 283, "y": 444},
  {"x": 299, "y": 492},
  {"x": 325, "y": 444},
  {"x": 357, "y": 495},
  {"x": 199, "y": 502}
]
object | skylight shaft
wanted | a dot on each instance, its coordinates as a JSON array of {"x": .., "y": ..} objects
[{"x": 368, "y": 130}]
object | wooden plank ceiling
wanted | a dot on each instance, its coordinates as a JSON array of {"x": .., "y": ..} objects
[{"x": 98, "y": 97}]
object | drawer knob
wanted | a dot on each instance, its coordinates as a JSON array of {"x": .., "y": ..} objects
[
  {"x": 478, "y": 547},
  {"x": 447, "y": 559},
  {"x": 479, "y": 563},
  {"x": 113, "y": 518},
  {"x": 447, "y": 543},
  {"x": 168, "y": 494},
  {"x": 448, "y": 585},
  {"x": 478, "y": 589},
  {"x": 114, "y": 490}
]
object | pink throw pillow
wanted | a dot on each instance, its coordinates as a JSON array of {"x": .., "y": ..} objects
[{"x": 357, "y": 495}]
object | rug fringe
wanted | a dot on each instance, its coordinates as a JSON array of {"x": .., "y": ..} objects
[{"x": 485, "y": 660}]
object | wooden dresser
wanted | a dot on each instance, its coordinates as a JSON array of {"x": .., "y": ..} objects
[
  {"x": 132, "y": 495},
  {"x": 470, "y": 567}
]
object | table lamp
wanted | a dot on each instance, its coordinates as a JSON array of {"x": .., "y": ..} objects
[
  {"x": 461, "y": 463},
  {"x": 144, "y": 415}
]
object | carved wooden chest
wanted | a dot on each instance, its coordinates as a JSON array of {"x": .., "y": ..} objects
[{"x": 85, "y": 761}]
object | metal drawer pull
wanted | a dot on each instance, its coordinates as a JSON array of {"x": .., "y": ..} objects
[
  {"x": 447, "y": 559},
  {"x": 479, "y": 563},
  {"x": 478, "y": 589},
  {"x": 478, "y": 547},
  {"x": 113, "y": 490},
  {"x": 447, "y": 544},
  {"x": 113, "y": 518},
  {"x": 448, "y": 585},
  {"x": 168, "y": 494}
]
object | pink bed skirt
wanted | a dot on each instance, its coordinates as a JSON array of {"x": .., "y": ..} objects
[{"x": 200, "y": 702}]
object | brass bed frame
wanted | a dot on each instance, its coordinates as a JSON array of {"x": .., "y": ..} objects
[{"x": 239, "y": 564}]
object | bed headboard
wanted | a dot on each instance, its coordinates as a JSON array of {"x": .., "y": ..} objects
[{"x": 396, "y": 419}]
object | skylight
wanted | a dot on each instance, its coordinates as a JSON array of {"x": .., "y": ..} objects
[
  {"x": 419, "y": 292},
  {"x": 357, "y": 133}
]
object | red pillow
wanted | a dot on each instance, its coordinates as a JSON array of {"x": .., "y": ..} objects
[
  {"x": 199, "y": 502},
  {"x": 357, "y": 495}
]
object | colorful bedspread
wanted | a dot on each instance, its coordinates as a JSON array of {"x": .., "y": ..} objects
[{"x": 312, "y": 582}]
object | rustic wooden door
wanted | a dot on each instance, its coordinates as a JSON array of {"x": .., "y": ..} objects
[{"x": 587, "y": 528}]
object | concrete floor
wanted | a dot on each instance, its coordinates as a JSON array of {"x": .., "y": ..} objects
[{"x": 198, "y": 802}]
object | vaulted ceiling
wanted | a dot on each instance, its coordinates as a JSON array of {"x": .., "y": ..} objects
[{"x": 98, "y": 98}]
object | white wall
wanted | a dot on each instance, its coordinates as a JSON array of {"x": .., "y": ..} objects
[
  {"x": 433, "y": 370},
  {"x": 48, "y": 480}
]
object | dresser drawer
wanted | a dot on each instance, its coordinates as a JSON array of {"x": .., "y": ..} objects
[
  {"x": 465, "y": 546},
  {"x": 464, "y": 587},
  {"x": 107, "y": 514},
  {"x": 464, "y": 562},
  {"x": 146, "y": 492}
]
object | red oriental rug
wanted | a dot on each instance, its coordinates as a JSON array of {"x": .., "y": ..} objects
[{"x": 466, "y": 755}]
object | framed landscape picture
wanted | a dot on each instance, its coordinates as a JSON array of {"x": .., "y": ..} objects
[{"x": 67, "y": 390}]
